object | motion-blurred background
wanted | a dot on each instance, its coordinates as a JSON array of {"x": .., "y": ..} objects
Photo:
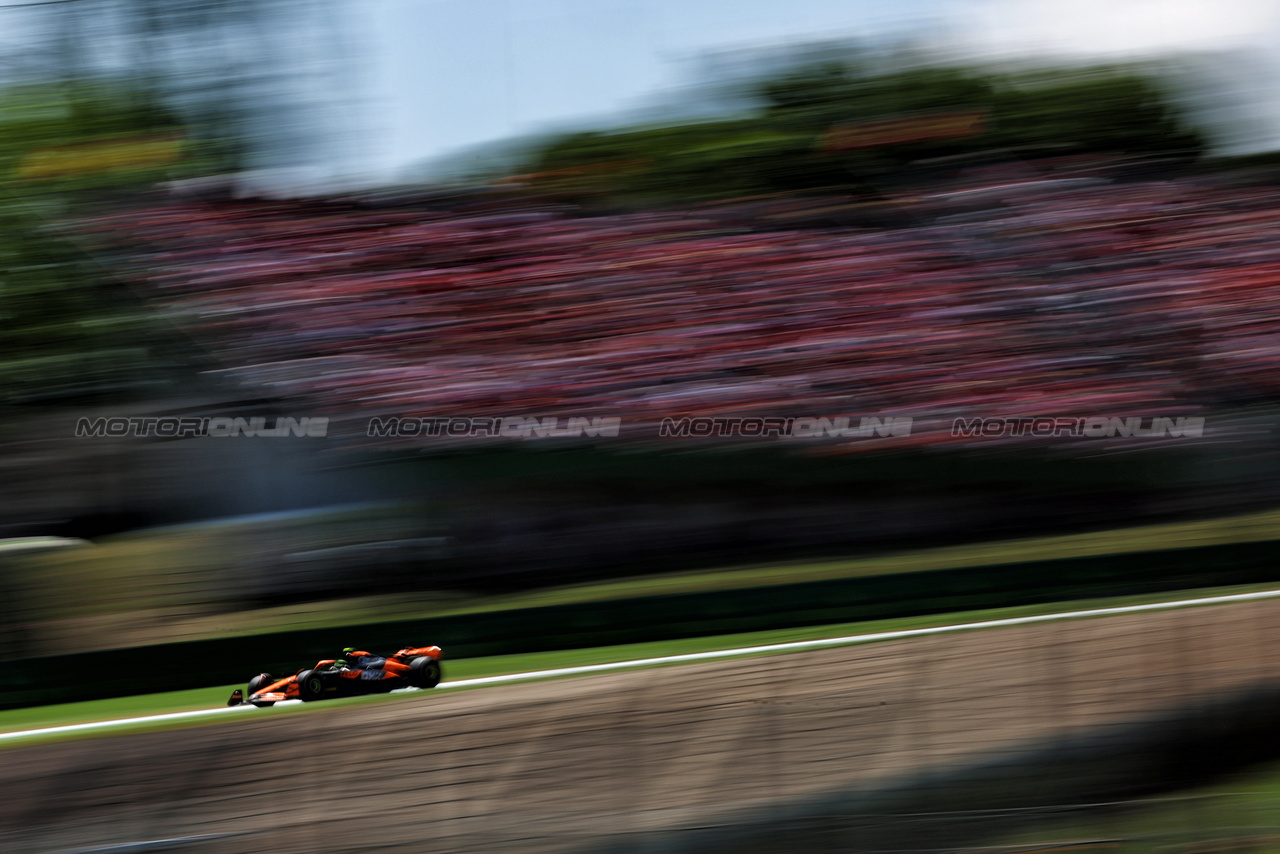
[{"x": 403, "y": 221}]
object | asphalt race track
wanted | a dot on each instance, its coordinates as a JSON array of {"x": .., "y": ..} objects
[{"x": 572, "y": 764}]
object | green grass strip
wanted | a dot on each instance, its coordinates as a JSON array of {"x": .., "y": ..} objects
[{"x": 213, "y": 697}]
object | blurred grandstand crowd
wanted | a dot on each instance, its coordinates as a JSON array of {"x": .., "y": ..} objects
[{"x": 1089, "y": 298}]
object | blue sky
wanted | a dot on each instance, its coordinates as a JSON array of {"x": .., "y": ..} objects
[
  {"x": 460, "y": 72},
  {"x": 437, "y": 77},
  {"x": 453, "y": 73}
]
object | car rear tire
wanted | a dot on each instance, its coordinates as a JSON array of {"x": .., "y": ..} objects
[
  {"x": 424, "y": 672},
  {"x": 310, "y": 685}
]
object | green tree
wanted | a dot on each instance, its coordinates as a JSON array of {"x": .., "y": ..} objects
[
  {"x": 783, "y": 146},
  {"x": 1105, "y": 110},
  {"x": 70, "y": 331}
]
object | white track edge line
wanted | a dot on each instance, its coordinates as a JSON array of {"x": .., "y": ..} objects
[{"x": 790, "y": 646}]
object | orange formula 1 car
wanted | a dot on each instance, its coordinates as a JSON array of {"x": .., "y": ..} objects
[{"x": 357, "y": 674}]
